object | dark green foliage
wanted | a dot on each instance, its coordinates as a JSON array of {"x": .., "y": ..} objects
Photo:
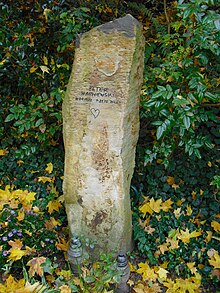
[{"x": 179, "y": 135}]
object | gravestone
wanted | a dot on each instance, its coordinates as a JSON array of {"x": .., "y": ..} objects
[{"x": 100, "y": 127}]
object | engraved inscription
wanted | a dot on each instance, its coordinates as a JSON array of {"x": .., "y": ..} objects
[{"x": 100, "y": 95}]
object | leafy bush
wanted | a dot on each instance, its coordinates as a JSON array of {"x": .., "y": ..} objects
[{"x": 181, "y": 80}]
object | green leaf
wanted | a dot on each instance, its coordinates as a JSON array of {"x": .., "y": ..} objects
[
  {"x": 160, "y": 130},
  {"x": 186, "y": 121},
  {"x": 39, "y": 122},
  {"x": 10, "y": 117}
]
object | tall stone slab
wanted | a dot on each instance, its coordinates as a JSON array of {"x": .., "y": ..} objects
[{"x": 100, "y": 127}]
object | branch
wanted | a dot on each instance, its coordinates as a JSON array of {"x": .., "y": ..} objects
[{"x": 166, "y": 15}]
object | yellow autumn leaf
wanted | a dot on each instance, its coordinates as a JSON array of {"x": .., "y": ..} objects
[
  {"x": 211, "y": 252},
  {"x": 53, "y": 205},
  {"x": 162, "y": 273},
  {"x": 46, "y": 12},
  {"x": 45, "y": 179},
  {"x": 167, "y": 205},
  {"x": 177, "y": 213},
  {"x": 209, "y": 164},
  {"x": 185, "y": 236},
  {"x": 175, "y": 186},
  {"x": 49, "y": 168},
  {"x": 146, "y": 209},
  {"x": 62, "y": 244},
  {"x": 65, "y": 289},
  {"x": 16, "y": 254},
  {"x": 5, "y": 194},
  {"x": 35, "y": 266},
  {"x": 20, "y": 216},
  {"x": 215, "y": 261},
  {"x": 174, "y": 244},
  {"x": 2, "y": 61},
  {"x": 35, "y": 287},
  {"x": 193, "y": 194},
  {"x": 216, "y": 226},
  {"x": 188, "y": 210},
  {"x": 146, "y": 271},
  {"x": 209, "y": 236},
  {"x": 163, "y": 247},
  {"x": 45, "y": 60},
  {"x": 28, "y": 232},
  {"x": 3, "y": 152},
  {"x": 192, "y": 268},
  {"x": 11, "y": 285},
  {"x": 65, "y": 273},
  {"x": 33, "y": 69},
  {"x": 30, "y": 196},
  {"x": 44, "y": 69},
  {"x": 170, "y": 180},
  {"x": 16, "y": 244},
  {"x": 155, "y": 205}
]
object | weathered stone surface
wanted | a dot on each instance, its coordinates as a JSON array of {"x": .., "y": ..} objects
[{"x": 100, "y": 126}]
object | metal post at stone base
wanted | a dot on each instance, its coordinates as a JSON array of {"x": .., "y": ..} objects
[
  {"x": 124, "y": 270},
  {"x": 75, "y": 254}
]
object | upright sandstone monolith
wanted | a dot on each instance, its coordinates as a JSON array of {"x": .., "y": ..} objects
[{"x": 101, "y": 125}]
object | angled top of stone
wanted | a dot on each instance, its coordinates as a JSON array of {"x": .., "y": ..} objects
[{"x": 125, "y": 24}]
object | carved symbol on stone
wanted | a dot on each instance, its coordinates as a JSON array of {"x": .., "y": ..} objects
[
  {"x": 107, "y": 65},
  {"x": 95, "y": 112}
]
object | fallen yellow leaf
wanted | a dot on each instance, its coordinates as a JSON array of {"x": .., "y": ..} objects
[
  {"x": 35, "y": 266},
  {"x": 146, "y": 271},
  {"x": 167, "y": 205},
  {"x": 162, "y": 273},
  {"x": 49, "y": 168},
  {"x": 185, "y": 236},
  {"x": 216, "y": 226},
  {"x": 62, "y": 244},
  {"x": 16, "y": 254},
  {"x": 53, "y": 205},
  {"x": 215, "y": 261}
]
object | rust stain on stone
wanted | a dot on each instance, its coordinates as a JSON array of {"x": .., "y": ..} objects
[
  {"x": 98, "y": 219},
  {"x": 100, "y": 155}
]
